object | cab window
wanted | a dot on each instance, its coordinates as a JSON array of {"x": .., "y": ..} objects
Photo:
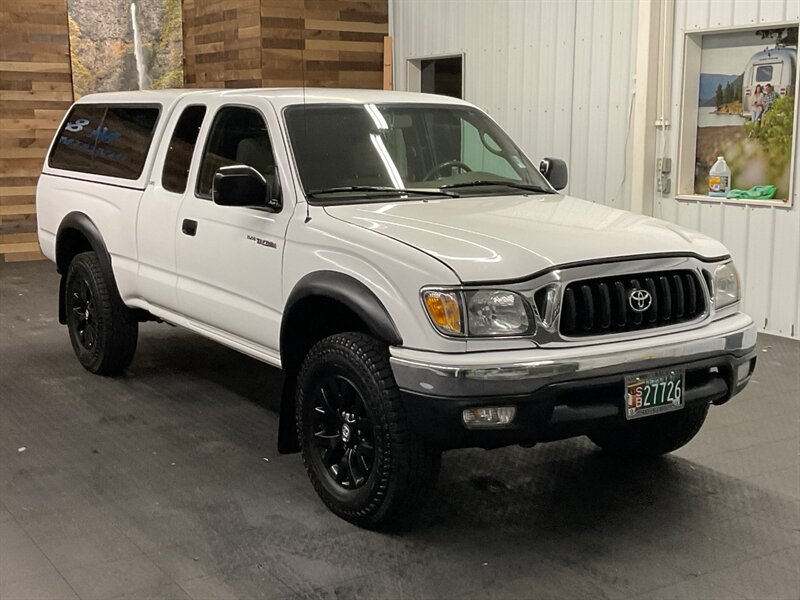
[
  {"x": 181, "y": 149},
  {"x": 238, "y": 136}
]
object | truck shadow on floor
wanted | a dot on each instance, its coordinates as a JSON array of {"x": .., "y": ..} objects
[{"x": 168, "y": 353}]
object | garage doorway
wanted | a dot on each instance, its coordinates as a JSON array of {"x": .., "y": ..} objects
[{"x": 443, "y": 75}]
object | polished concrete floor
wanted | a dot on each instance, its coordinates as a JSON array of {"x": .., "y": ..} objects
[{"x": 166, "y": 483}]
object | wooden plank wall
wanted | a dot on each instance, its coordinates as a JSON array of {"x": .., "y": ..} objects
[
  {"x": 322, "y": 43},
  {"x": 227, "y": 43},
  {"x": 35, "y": 90},
  {"x": 221, "y": 46},
  {"x": 342, "y": 42}
]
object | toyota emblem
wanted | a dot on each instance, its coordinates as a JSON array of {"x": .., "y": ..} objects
[{"x": 640, "y": 300}]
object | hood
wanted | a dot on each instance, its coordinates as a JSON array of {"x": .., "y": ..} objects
[{"x": 511, "y": 237}]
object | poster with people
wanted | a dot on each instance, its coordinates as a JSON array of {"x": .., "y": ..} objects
[
  {"x": 118, "y": 45},
  {"x": 746, "y": 114}
]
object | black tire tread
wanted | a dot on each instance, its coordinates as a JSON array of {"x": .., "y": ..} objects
[
  {"x": 411, "y": 466},
  {"x": 120, "y": 328}
]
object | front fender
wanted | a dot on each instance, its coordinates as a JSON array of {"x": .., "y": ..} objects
[
  {"x": 390, "y": 272},
  {"x": 351, "y": 293}
]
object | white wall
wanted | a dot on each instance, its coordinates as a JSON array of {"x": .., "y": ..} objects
[
  {"x": 556, "y": 74},
  {"x": 764, "y": 241}
]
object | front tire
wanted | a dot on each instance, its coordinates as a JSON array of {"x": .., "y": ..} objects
[
  {"x": 652, "y": 436},
  {"x": 102, "y": 330},
  {"x": 362, "y": 460}
]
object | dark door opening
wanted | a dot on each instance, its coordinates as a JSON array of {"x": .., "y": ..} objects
[{"x": 442, "y": 76}]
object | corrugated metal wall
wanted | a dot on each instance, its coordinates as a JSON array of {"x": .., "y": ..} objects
[
  {"x": 558, "y": 75},
  {"x": 764, "y": 241}
]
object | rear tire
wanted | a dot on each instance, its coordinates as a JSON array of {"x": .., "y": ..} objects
[
  {"x": 102, "y": 330},
  {"x": 362, "y": 460},
  {"x": 652, "y": 436}
]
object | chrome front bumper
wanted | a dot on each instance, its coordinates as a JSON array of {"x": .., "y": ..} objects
[{"x": 503, "y": 373}]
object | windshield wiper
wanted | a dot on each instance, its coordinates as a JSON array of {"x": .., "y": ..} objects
[
  {"x": 380, "y": 189},
  {"x": 512, "y": 184}
]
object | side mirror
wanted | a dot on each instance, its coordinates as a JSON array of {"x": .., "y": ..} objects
[
  {"x": 242, "y": 185},
  {"x": 555, "y": 171}
]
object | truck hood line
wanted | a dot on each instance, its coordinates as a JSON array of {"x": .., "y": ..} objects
[
  {"x": 513, "y": 239},
  {"x": 598, "y": 261},
  {"x": 391, "y": 237}
]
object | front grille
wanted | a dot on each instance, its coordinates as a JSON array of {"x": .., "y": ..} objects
[{"x": 603, "y": 306}]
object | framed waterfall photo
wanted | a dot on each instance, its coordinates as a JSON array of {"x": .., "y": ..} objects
[
  {"x": 118, "y": 45},
  {"x": 739, "y": 118}
]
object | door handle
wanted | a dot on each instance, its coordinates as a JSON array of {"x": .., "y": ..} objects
[{"x": 189, "y": 227}]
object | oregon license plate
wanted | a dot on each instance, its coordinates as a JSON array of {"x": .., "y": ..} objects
[{"x": 653, "y": 393}]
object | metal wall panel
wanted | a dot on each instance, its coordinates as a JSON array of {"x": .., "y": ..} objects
[
  {"x": 764, "y": 241},
  {"x": 558, "y": 75}
]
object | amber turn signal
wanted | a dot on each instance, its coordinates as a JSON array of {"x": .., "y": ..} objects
[{"x": 444, "y": 309}]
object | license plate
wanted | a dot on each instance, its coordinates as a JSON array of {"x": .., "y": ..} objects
[{"x": 653, "y": 393}]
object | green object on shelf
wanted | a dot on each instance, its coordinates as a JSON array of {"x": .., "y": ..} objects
[{"x": 757, "y": 192}]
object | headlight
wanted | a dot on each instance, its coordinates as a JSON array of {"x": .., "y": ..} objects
[
  {"x": 727, "y": 288},
  {"x": 479, "y": 313},
  {"x": 497, "y": 313}
]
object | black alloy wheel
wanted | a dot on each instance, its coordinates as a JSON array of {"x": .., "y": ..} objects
[
  {"x": 102, "y": 330},
  {"x": 362, "y": 459},
  {"x": 344, "y": 442},
  {"x": 82, "y": 313}
]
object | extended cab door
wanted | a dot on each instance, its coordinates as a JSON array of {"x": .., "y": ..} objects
[
  {"x": 160, "y": 203},
  {"x": 230, "y": 258}
]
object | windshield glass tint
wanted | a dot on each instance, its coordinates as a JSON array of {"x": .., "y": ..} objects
[{"x": 403, "y": 146}]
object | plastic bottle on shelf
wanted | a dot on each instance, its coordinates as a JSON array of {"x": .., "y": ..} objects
[{"x": 719, "y": 179}]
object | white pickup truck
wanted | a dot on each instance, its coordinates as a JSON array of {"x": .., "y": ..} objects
[{"x": 421, "y": 283}]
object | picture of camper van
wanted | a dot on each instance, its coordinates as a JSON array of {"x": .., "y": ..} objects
[
  {"x": 754, "y": 133},
  {"x": 777, "y": 66}
]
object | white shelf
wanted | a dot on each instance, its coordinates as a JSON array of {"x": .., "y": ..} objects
[{"x": 737, "y": 201}]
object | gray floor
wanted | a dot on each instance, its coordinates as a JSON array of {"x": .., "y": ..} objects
[{"x": 166, "y": 483}]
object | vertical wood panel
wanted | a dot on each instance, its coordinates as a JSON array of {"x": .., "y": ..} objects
[
  {"x": 350, "y": 33},
  {"x": 221, "y": 43},
  {"x": 35, "y": 90},
  {"x": 280, "y": 43}
]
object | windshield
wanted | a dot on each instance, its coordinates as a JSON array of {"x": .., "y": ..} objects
[{"x": 359, "y": 151}]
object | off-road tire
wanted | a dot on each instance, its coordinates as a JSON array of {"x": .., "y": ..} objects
[
  {"x": 652, "y": 436},
  {"x": 405, "y": 467},
  {"x": 115, "y": 327}
]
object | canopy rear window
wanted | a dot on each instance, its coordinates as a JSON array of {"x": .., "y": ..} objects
[{"x": 105, "y": 139}]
